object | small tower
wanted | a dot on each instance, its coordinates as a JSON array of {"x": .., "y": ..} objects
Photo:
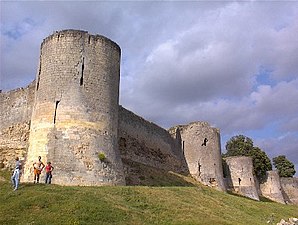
[
  {"x": 75, "y": 114},
  {"x": 200, "y": 144},
  {"x": 271, "y": 187},
  {"x": 239, "y": 170}
]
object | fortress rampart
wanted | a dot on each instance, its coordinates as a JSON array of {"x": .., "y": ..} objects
[
  {"x": 16, "y": 106},
  {"x": 15, "y": 115},
  {"x": 71, "y": 113},
  {"x": 143, "y": 142}
]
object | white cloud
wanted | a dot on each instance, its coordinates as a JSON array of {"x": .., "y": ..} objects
[{"x": 286, "y": 144}]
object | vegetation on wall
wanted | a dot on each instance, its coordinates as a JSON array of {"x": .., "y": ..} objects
[
  {"x": 284, "y": 166},
  {"x": 241, "y": 145},
  {"x": 102, "y": 157}
]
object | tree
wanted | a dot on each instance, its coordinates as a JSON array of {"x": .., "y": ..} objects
[
  {"x": 241, "y": 145},
  {"x": 284, "y": 166},
  {"x": 261, "y": 162}
]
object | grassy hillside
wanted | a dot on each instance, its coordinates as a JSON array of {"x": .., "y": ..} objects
[{"x": 53, "y": 204}]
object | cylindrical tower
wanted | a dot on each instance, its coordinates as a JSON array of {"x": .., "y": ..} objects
[
  {"x": 239, "y": 170},
  {"x": 201, "y": 146},
  {"x": 271, "y": 187},
  {"x": 75, "y": 116}
]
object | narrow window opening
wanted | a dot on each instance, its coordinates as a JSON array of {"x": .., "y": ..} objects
[
  {"x": 239, "y": 181},
  {"x": 89, "y": 39},
  {"x": 37, "y": 85},
  {"x": 38, "y": 77},
  {"x": 55, "y": 114},
  {"x": 82, "y": 73},
  {"x": 205, "y": 142},
  {"x": 199, "y": 167},
  {"x": 58, "y": 37}
]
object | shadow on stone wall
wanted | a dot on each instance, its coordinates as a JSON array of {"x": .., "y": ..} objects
[{"x": 137, "y": 174}]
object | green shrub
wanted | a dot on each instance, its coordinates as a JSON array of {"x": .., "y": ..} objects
[{"x": 101, "y": 156}]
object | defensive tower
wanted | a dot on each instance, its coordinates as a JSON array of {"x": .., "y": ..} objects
[
  {"x": 75, "y": 115},
  {"x": 200, "y": 144},
  {"x": 239, "y": 170},
  {"x": 271, "y": 187}
]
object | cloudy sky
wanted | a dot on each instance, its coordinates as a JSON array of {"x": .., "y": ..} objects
[{"x": 233, "y": 64}]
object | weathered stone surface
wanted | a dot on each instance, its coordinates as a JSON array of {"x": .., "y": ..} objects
[
  {"x": 16, "y": 106},
  {"x": 200, "y": 144},
  {"x": 290, "y": 189},
  {"x": 240, "y": 176},
  {"x": 149, "y": 144},
  {"x": 271, "y": 187},
  {"x": 75, "y": 115},
  {"x": 13, "y": 143}
]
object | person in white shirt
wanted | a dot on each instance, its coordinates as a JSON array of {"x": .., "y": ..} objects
[{"x": 16, "y": 175}]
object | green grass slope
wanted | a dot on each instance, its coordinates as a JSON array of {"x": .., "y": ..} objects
[{"x": 195, "y": 204}]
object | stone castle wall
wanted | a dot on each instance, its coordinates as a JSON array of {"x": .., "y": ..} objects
[
  {"x": 71, "y": 114},
  {"x": 16, "y": 106},
  {"x": 75, "y": 115},
  {"x": 143, "y": 142},
  {"x": 16, "y": 109}
]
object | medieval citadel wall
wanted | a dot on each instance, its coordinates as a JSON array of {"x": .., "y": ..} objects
[
  {"x": 145, "y": 143},
  {"x": 16, "y": 106},
  {"x": 75, "y": 116},
  {"x": 140, "y": 142},
  {"x": 290, "y": 189},
  {"x": 239, "y": 170},
  {"x": 16, "y": 109},
  {"x": 201, "y": 146},
  {"x": 271, "y": 187}
]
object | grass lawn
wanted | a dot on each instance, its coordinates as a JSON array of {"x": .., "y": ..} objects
[{"x": 195, "y": 204}]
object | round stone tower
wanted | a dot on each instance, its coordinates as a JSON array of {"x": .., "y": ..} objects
[
  {"x": 271, "y": 187},
  {"x": 200, "y": 144},
  {"x": 74, "y": 122},
  {"x": 239, "y": 171}
]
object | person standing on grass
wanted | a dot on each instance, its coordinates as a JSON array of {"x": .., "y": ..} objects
[
  {"x": 16, "y": 175},
  {"x": 49, "y": 169},
  {"x": 38, "y": 167}
]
